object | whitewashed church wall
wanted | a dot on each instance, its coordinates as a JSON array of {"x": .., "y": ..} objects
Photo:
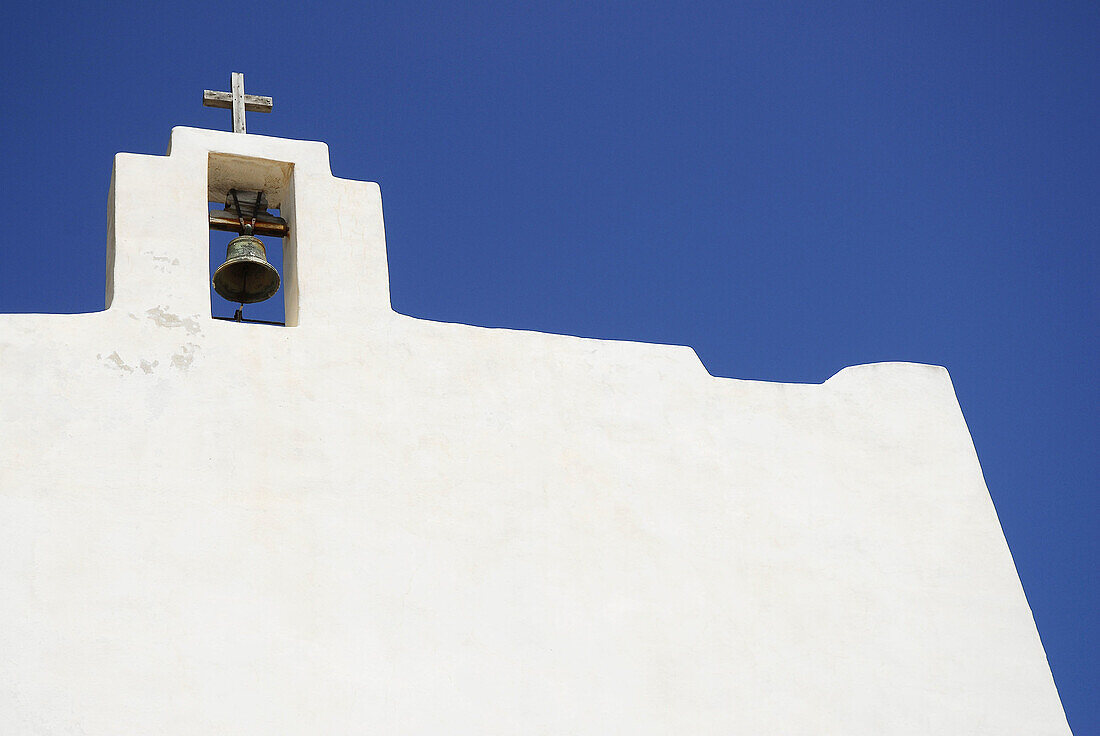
[{"x": 369, "y": 523}]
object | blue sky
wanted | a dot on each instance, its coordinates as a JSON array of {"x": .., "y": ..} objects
[{"x": 790, "y": 188}]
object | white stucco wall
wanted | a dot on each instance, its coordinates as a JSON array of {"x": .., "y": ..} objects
[{"x": 445, "y": 529}]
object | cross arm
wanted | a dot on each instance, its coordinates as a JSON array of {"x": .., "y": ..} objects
[{"x": 252, "y": 103}]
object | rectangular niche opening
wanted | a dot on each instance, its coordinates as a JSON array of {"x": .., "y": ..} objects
[{"x": 275, "y": 179}]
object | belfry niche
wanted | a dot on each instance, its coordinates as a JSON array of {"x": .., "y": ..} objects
[{"x": 251, "y": 279}]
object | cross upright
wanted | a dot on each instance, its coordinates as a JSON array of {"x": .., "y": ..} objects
[{"x": 238, "y": 101}]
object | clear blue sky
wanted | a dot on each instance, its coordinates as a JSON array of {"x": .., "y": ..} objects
[{"x": 790, "y": 188}]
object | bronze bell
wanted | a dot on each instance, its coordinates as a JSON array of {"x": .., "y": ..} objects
[{"x": 246, "y": 277}]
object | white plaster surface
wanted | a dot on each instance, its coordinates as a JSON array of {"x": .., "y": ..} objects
[{"x": 444, "y": 529}]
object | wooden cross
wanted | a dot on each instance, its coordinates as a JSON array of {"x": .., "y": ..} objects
[{"x": 238, "y": 101}]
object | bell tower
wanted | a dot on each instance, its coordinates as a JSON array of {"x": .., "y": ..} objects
[{"x": 330, "y": 229}]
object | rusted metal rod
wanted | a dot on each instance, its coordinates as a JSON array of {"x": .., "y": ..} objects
[{"x": 223, "y": 220}]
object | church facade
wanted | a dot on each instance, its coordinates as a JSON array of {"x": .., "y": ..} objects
[{"x": 446, "y": 529}]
